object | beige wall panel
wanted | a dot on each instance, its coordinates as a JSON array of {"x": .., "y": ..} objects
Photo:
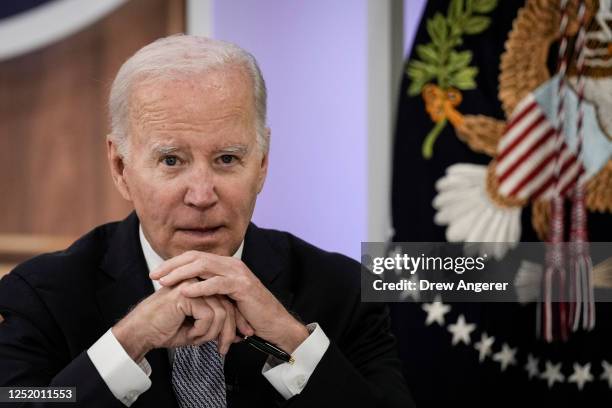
[{"x": 54, "y": 178}]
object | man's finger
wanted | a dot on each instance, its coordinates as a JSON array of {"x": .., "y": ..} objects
[
  {"x": 200, "y": 328},
  {"x": 229, "y": 327},
  {"x": 243, "y": 326},
  {"x": 203, "y": 315},
  {"x": 217, "y": 285},
  {"x": 182, "y": 337},
  {"x": 213, "y": 262},
  {"x": 195, "y": 269},
  {"x": 170, "y": 264},
  {"x": 219, "y": 316}
]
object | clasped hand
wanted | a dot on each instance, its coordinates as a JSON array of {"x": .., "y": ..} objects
[{"x": 206, "y": 297}]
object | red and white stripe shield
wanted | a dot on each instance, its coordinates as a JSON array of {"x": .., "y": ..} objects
[{"x": 527, "y": 155}]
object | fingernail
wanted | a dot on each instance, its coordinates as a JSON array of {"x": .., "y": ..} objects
[{"x": 163, "y": 280}]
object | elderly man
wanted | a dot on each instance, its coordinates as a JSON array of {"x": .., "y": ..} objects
[{"x": 146, "y": 312}]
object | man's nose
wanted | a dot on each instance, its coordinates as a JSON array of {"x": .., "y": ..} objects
[{"x": 201, "y": 190}]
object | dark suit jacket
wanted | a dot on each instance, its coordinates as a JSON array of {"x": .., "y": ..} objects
[{"x": 57, "y": 305}]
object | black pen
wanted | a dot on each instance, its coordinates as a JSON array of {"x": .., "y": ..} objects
[{"x": 268, "y": 348}]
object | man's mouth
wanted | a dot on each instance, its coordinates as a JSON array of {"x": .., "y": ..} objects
[{"x": 201, "y": 231}]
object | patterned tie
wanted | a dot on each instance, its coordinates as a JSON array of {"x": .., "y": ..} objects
[{"x": 197, "y": 377}]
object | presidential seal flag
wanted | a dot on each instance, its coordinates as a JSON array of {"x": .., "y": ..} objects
[{"x": 503, "y": 111}]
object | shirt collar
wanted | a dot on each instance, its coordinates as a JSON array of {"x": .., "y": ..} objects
[{"x": 154, "y": 260}]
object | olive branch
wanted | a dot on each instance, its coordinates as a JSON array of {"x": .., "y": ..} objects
[{"x": 440, "y": 62}]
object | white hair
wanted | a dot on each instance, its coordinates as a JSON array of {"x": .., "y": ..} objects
[{"x": 181, "y": 56}]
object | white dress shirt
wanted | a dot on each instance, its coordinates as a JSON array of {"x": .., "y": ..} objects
[{"x": 127, "y": 379}]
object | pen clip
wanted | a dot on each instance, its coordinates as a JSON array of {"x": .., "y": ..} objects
[{"x": 269, "y": 348}]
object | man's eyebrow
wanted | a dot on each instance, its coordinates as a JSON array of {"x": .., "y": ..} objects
[
  {"x": 160, "y": 150},
  {"x": 239, "y": 149}
]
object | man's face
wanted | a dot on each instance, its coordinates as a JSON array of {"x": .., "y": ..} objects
[{"x": 194, "y": 168}]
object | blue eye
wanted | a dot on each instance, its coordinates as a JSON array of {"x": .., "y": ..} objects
[
  {"x": 170, "y": 160},
  {"x": 227, "y": 158}
]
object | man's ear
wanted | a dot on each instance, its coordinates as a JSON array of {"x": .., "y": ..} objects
[
  {"x": 263, "y": 165},
  {"x": 117, "y": 167}
]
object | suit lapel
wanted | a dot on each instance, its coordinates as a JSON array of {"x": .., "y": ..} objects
[
  {"x": 269, "y": 261},
  {"x": 125, "y": 280},
  {"x": 123, "y": 284}
]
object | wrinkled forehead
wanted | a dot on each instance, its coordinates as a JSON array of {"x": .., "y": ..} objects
[{"x": 212, "y": 95}]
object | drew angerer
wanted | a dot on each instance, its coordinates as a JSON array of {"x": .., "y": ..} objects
[
  {"x": 425, "y": 285},
  {"x": 412, "y": 264}
]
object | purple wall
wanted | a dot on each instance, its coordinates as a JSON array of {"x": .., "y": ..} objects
[
  {"x": 314, "y": 58},
  {"x": 413, "y": 9}
]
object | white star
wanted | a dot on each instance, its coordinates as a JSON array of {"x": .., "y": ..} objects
[
  {"x": 506, "y": 357},
  {"x": 581, "y": 375},
  {"x": 607, "y": 372},
  {"x": 461, "y": 331},
  {"x": 435, "y": 311},
  {"x": 552, "y": 374},
  {"x": 532, "y": 366},
  {"x": 484, "y": 346}
]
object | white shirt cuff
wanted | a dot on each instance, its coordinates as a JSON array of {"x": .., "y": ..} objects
[
  {"x": 126, "y": 379},
  {"x": 290, "y": 379}
]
